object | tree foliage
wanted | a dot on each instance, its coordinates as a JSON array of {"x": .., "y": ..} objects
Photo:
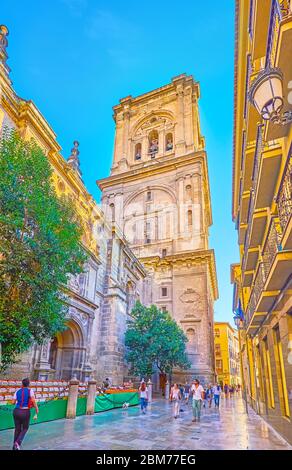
[
  {"x": 39, "y": 248},
  {"x": 154, "y": 341}
]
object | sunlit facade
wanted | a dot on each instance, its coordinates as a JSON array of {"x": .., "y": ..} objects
[
  {"x": 227, "y": 363},
  {"x": 262, "y": 205}
]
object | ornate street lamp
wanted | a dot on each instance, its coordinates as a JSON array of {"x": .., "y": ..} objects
[{"x": 266, "y": 94}]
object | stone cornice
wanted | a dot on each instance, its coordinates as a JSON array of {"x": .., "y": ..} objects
[
  {"x": 193, "y": 257},
  {"x": 161, "y": 167}
]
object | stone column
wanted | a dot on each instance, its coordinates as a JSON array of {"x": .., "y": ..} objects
[
  {"x": 149, "y": 385},
  {"x": 72, "y": 398},
  {"x": 126, "y": 133},
  {"x": 167, "y": 391},
  {"x": 91, "y": 394}
]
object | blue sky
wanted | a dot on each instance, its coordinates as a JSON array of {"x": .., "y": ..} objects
[{"x": 76, "y": 58}]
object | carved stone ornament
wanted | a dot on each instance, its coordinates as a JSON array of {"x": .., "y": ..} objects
[{"x": 192, "y": 301}]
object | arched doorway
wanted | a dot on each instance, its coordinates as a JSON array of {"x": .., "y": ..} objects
[{"x": 67, "y": 352}]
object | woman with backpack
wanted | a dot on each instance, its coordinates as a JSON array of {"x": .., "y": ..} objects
[{"x": 25, "y": 400}]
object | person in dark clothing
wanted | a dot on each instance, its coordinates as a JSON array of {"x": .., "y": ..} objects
[{"x": 25, "y": 400}]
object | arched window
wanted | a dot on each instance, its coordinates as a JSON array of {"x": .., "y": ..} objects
[
  {"x": 112, "y": 212},
  {"x": 168, "y": 142},
  {"x": 153, "y": 143},
  {"x": 190, "y": 218},
  {"x": 189, "y": 191},
  {"x": 138, "y": 151}
]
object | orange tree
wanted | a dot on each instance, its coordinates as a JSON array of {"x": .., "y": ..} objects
[{"x": 154, "y": 341}]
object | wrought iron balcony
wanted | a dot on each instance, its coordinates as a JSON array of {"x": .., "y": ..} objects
[
  {"x": 257, "y": 288},
  {"x": 271, "y": 247},
  {"x": 256, "y": 165},
  {"x": 279, "y": 10},
  {"x": 284, "y": 200},
  {"x": 272, "y": 244}
]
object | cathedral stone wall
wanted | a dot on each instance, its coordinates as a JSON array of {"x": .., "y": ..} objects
[{"x": 158, "y": 194}]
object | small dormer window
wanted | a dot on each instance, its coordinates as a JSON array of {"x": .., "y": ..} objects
[{"x": 164, "y": 252}]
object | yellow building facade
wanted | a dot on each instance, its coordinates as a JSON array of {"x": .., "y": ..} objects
[
  {"x": 227, "y": 360},
  {"x": 262, "y": 205}
]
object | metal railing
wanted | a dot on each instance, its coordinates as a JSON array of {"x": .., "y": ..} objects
[
  {"x": 284, "y": 200},
  {"x": 257, "y": 288},
  {"x": 279, "y": 10},
  {"x": 255, "y": 172},
  {"x": 272, "y": 244},
  {"x": 271, "y": 247}
]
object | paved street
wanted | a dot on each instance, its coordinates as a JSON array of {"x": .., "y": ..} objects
[{"x": 119, "y": 429}]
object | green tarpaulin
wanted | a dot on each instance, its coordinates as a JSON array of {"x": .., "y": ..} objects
[{"x": 56, "y": 409}]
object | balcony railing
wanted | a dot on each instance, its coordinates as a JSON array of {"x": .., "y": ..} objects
[
  {"x": 257, "y": 288},
  {"x": 279, "y": 10},
  {"x": 284, "y": 199},
  {"x": 256, "y": 165},
  {"x": 271, "y": 247}
]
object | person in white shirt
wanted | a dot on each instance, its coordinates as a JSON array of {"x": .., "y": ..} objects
[
  {"x": 143, "y": 389},
  {"x": 198, "y": 396}
]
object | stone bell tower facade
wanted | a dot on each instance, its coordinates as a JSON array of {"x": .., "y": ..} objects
[{"x": 158, "y": 194}]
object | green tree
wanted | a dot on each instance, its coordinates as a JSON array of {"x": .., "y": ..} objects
[
  {"x": 154, "y": 341},
  {"x": 39, "y": 248}
]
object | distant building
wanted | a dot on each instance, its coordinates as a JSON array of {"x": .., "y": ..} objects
[{"x": 227, "y": 359}]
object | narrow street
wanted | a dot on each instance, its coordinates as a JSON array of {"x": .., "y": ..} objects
[{"x": 121, "y": 429}]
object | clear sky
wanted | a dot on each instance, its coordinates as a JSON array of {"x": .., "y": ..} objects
[{"x": 76, "y": 58}]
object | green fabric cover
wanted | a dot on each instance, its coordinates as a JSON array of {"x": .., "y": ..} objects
[{"x": 56, "y": 409}]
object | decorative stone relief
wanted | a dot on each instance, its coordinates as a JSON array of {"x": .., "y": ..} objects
[{"x": 192, "y": 302}]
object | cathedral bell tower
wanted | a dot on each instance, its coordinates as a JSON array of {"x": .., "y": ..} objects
[{"x": 158, "y": 194}]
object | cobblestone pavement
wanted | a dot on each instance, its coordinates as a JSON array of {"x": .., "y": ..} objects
[{"x": 230, "y": 428}]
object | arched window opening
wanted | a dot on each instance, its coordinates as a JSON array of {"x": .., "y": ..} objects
[
  {"x": 190, "y": 218},
  {"x": 189, "y": 191},
  {"x": 138, "y": 152},
  {"x": 153, "y": 143},
  {"x": 112, "y": 212},
  {"x": 169, "y": 142}
]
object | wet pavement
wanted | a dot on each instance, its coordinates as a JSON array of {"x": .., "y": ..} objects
[{"x": 230, "y": 428}]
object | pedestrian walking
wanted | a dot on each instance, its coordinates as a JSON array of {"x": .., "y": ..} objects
[
  {"x": 198, "y": 396},
  {"x": 187, "y": 388},
  {"x": 226, "y": 390},
  {"x": 216, "y": 394},
  {"x": 176, "y": 397},
  {"x": 24, "y": 400},
  {"x": 143, "y": 389},
  {"x": 209, "y": 395}
]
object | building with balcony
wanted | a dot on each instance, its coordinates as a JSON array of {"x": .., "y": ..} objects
[
  {"x": 262, "y": 205},
  {"x": 227, "y": 360}
]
